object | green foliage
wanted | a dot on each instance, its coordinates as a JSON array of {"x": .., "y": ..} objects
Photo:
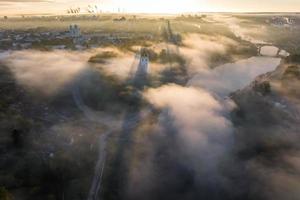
[
  {"x": 153, "y": 56},
  {"x": 22, "y": 122},
  {"x": 130, "y": 96},
  {"x": 264, "y": 88},
  {"x": 294, "y": 58},
  {"x": 102, "y": 91},
  {"x": 4, "y": 194},
  {"x": 175, "y": 74},
  {"x": 102, "y": 57},
  {"x": 3, "y": 105},
  {"x": 42, "y": 45},
  {"x": 171, "y": 57},
  {"x": 292, "y": 72},
  {"x": 216, "y": 59}
]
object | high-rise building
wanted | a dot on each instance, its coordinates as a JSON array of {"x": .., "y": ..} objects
[
  {"x": 143, "y": 68},
  {"x": 74, "y": 30}
]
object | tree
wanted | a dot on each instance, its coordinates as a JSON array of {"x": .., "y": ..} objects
[{"x": 4, "y": 194}]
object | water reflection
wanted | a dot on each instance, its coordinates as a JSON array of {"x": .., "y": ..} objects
[{"x": 233, "y": 76}]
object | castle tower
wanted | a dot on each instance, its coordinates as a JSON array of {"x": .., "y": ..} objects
[
  {"x": 143, "y": 67},
  {"x": 144, "y": 63},
  {"x": 74, "y": 30}
]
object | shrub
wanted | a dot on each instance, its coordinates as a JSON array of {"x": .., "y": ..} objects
[
  {"x": 101, "y": 57},
  {"x": 4, "y": 194},
  {"x": 292, "y": 72}
]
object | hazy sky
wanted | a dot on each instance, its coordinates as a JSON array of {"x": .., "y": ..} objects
[{"x": 148, "y": 6}]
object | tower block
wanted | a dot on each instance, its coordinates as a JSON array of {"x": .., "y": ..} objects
[{"x": 143, "y": 68}]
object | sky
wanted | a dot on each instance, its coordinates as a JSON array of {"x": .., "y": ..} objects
[{"x": 13, "y": 7}]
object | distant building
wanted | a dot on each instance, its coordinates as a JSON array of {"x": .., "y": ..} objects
[
  {"x": 281, "y": 21},
  {"x": 121, "y": 19},
  {"x": 74, "y": 31},
  {"x": 143, "y": 68}
]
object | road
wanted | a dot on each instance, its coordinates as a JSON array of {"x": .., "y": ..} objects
[
  {"x": 129, "y": 124},
  {"x": 130, "y": 121},
  {"x": 100, "y": 164},
  {"x": 99, "y": 168}
]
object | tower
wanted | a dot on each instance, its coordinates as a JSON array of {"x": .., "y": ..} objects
[
  {"x": 141, "y": 75},
  {"x": 74, "y": 30},
  {"x": 143, "y": 68},
  {"x": 144, "y": 63}
]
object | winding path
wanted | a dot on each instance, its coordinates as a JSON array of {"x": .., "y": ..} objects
[{"x": 131, "y": 120}]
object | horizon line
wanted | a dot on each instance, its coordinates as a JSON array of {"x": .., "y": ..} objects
[{"x": 153, "y": 13}]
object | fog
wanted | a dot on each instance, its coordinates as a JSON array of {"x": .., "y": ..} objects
[
  {"x": 244, "y": 33},
  {"x": 198, "y": 115},
  {"x": 198, "y": 48},
  {"x": 210, "y": 157},
  {"x": 46, "y": 72},
  {"x": 184, "y": 152},
  {"x": 226, "y": 78},
  {"x": 197, "y": 125},
  {"x": 194, "y": 149},
  {"x": 233, "y": 76}
]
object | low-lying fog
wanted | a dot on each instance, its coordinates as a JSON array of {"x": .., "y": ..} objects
[
  {"x": 233, "y": 76},
  {"x": 195, "y": 116},
  {"x": 49, "y": 71}
]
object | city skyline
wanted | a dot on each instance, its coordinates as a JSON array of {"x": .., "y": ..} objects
[{"x": 18, "y": 7}]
